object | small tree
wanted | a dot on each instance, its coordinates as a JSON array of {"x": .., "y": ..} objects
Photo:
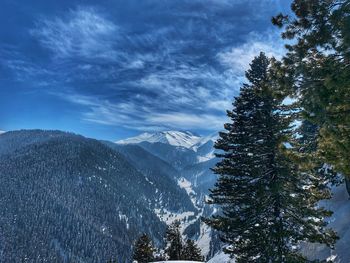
[
  {"x": 191, "y": 251},
  {"x": 143, "y": 250},
  {"x": 174, "y": 241}
]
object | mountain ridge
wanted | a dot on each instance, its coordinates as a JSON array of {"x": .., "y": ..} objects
[{"x": 184, "y": 139}]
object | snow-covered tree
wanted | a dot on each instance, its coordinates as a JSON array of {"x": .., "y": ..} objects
[{"x": 268, "y": 205}]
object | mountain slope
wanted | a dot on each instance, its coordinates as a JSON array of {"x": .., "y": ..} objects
[
  {"x": 177, "y": 157},
  {"x": 66, "y": 198},
  {"x": 160, "y": 174}
]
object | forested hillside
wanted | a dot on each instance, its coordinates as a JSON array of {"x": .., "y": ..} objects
[{"x": 67, "y": 198}]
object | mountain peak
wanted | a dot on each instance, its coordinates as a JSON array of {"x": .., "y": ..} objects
[{"x": 176, "y": 138}]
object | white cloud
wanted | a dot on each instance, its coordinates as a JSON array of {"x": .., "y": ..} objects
[
  {"x": 84, "y": 32},
  {"x": 188, "y": 120},
  {"x": 239, "y": 57},
  {"x": 129, "y": 115}
]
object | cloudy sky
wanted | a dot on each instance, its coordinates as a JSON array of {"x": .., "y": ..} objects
[{"x": 110, "y": 69}]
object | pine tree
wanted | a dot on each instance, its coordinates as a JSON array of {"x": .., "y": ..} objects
[
  {"x": 143, "y": 250},
  {"x": 316, "y": 70},
  {"x": 267, "y": 204},
  {"x": 174, "y": 241},
  {"x": 191, "y": 251}
]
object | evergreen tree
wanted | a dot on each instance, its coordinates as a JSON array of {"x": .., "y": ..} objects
[
  {"x": 174, "y": 241},
  {"x": 268, "y": 206},
  {"x": 143, "y": 250},
  {"x": 316, "y": 70},
  {"x": 191, "y": 251}
]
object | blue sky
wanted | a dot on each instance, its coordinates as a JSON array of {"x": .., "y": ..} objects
[{"x": 111, "y": 69}]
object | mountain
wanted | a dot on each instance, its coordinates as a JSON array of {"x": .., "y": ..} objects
[
  {"x": 176, "y": 138},
  {"x": 200, "y": 175},
  {"x": 162, "y": 175},
  {"x": 175, "y": 147},
  {"x": 177, "y": 157},
  {"x": 66, "y": 198},
  {"x": 192, "y": 161}
]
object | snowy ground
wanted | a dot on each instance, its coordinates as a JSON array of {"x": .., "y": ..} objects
[{"x": 221, "y": 257}]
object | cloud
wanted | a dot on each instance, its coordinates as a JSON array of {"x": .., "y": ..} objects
[
  {"x": 144, "y": 65},
  {"x": 238, "y": 58},
  {"x": 188, "y": 120},
  {"x": 141, "y": 117},
  {"x": 83, "y": 32}
]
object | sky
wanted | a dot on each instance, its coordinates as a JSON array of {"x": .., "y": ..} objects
[{"x": 112, "y": 69}]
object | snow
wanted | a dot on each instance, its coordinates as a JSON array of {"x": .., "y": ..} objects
[
  {"x": 175, "y": 138},
  {"x": 221, "y": 257},
  {"x": 204, "y": 238},
  {"x": 187, "y": 186},
  {"x": 206, "y": 157},
  {"x": 1, "y": 132},
  {"x": 170, "y": 217}
]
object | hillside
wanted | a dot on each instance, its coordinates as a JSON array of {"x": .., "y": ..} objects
[{"x": 67, "y": 198}]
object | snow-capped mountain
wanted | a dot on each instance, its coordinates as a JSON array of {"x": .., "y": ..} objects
[
  {"x": 176, "y": 138},
  {"x": 192, "y": 156},
  {"x": 199, "y": 149}
]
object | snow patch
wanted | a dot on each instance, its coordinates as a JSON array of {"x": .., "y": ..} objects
[
  {"x": 204, "y": 239},
  {"x": 169, "y": 217},
  {"x": 221, "y": 257},
  {"x": 206, "y": 157},
  {"x": 187, "y": 186}
]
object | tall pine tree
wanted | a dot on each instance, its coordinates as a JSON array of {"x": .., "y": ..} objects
[
  {"x": 268, "y": 206},
  {"x": 143, "y": 250}
]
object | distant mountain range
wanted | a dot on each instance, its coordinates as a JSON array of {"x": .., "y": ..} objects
[{"x": 68, "y": 198}]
